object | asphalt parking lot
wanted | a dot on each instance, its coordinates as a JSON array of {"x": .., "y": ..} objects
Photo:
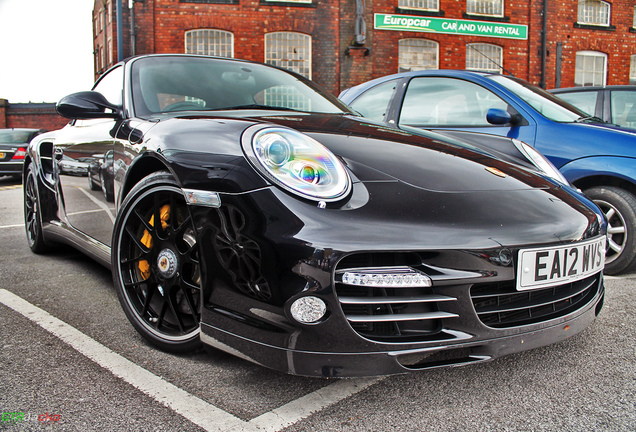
[{"x": 70, "y": 361}]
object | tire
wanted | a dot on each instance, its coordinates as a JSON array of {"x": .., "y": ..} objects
[
  {"x": 33, "y": 213},
  {"x": 156, "y": 269},
  {"x": 91, "y": 183},
  {"x": 619, "y": 207},
  {"x": 106, "y": 190}
]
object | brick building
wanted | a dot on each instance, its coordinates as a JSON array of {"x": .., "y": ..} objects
[{"x": 342, "y": 43}]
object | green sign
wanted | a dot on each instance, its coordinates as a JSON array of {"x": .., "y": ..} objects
[{"x": 450, "y": 26}]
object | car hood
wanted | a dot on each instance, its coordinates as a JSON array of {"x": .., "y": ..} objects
[{"x": 429, "y": 161}]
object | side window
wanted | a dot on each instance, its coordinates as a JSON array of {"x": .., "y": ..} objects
[
  {"x": 447, "y": 102},
  {"x": 585, "y": 101},
  {"x": 111, "y": 85},
  {"x": 624, "y": 108},
  {"x": 374, "y": 103}
]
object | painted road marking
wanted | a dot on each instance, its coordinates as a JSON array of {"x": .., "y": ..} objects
[{"x": 196, "y": 410}]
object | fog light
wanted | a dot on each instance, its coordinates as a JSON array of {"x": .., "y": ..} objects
[
  {"x": 395, "y": 277},
  {"x": 308, "y": 309}
]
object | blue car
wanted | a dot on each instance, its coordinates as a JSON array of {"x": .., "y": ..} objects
[{"x": 596, "y": 157}]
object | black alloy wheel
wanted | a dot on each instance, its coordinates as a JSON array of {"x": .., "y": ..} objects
[
  {"x": 32, "y": 213},
  {"x": 619, "y": 207},
  {"x": 156, "y": 268}
]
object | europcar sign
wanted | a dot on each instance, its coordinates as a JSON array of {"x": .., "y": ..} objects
[{"x": 450, "y": 26}]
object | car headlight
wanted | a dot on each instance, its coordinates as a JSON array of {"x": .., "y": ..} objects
[
  {"x": 540, "y": 161},
  {"x": 297, "y": 163}
]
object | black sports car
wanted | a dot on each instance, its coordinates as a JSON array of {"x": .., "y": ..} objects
[{"x": 256, "y": 213}]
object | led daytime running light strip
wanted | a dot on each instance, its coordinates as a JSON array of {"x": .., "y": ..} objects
[{"x": 396, "y": 277}]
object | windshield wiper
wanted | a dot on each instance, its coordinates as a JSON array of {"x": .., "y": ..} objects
[
  {"x": 257, "y": 106},
  {"x": 589, "y": 119}
]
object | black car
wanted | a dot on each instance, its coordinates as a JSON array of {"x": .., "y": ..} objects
[
  {"x": 100, "y": 174},
  {"x": 613, "y": 104},
  {"x": 256, "y": 213},
  {"x": 13, "y": 145}
]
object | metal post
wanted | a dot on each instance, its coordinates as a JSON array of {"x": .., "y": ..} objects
[
  {"x": 120, "y": 32},
  {"x": 544, "y": 43},
  {"x": 559, "y": 53}
]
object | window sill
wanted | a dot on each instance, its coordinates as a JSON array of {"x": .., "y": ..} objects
[
  {"x": 594, "y": 27},
  {"x": 486, "y": 17},
  {"x": 420, "y": 12},
  {"x": 288, "y": 4}
]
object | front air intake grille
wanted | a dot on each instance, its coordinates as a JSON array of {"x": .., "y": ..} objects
[
  {"x": 500, "y": 305},
  {"x": 391, "y": 314}
]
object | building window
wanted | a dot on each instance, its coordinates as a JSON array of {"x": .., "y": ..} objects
[
  {"x": 632, "y": 70},
  {"x": 417, "y": 54},
  {"x": 289, "y": 50},
  {"x": 209, "y": 42},
  {"x": 594, "y": 12},
  {"x": 110, "y": 52},
  {"x": 484, "y": 57},
  {"x": 634, "y": 18},
  {"x": 428, "y": 5},
  {"x": 591, "y": 68},
  {"x": 485, "y": 7}
]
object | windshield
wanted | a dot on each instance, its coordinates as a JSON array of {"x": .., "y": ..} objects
[
  {"x": 15, "y": 136},
  {"x": 182, "y": 83},
  {"x": 545, "y": 103}
]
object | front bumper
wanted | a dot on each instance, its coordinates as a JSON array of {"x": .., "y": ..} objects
[
  {"x": 263, "y": 250},
  {"x": 389, "y": 360}
]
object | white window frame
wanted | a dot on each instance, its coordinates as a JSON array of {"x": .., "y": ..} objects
[
  {"x": 632, "y": 69},
  {"x": 478, "y": 55},
  {"x": 282, "y": 50},
  {"x": 485, "y": 7},
  {"x": 594, "y": 12},
  {"x": 581, "y": 74},
  {"x": 211, "y": 42},
  {"x": 634, "y": 18},
  {"x": 427, "y": 5},
  {"x": 412, "y": 53}
]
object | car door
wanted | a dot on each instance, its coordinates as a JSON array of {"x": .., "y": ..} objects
[
  {"x": 433, "y": 102},
  {"x": 621, "y": 104},
  {"x": 88, "y": 144}
]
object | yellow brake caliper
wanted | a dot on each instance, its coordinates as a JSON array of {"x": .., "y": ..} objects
[{"x": 146, "y": 239}]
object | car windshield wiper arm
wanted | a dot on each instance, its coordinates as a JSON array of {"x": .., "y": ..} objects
[
  {"x": 587, "y": 119},
  {"x": 257, "y": 106}
]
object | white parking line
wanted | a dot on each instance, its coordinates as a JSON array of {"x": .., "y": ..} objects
[
  {"x": 70, "y": 214},
  {"x": 196, "y": 410}
]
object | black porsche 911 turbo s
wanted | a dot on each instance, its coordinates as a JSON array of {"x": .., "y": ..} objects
[{"x": 254, "y": 212}]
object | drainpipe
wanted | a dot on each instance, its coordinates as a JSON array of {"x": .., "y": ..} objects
[
  {"x": 544, "y": 43},
  {"x": 133, "y": 36},
  {"x": 120, "y": 33},
  {"x": 360, "y": 26}
]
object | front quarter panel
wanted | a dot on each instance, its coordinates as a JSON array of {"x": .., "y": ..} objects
[{"x": 202, "y": 153}]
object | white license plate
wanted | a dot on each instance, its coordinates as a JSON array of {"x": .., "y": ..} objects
[{"x": 542, "y": 267}]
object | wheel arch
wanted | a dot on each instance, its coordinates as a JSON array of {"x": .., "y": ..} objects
[
  {"x": 605, "y": 180},
  {"x": 143, "y": 167}
]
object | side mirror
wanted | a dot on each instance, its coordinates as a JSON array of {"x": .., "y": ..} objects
[
  {"x": 86, "y": 105},
  {"x": 498, "y": 116}
]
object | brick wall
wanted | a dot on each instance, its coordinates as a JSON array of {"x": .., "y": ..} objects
[
  {"x": 30, "y": 115},
  {"x": 162, "y": 24}
]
